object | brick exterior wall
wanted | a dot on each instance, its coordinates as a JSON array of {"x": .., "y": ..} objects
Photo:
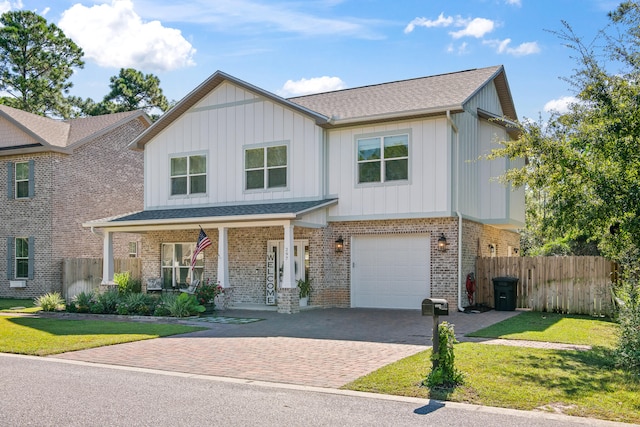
[
  {"x": 330, "y": 271},
  {"x": 100, "y": 178}
]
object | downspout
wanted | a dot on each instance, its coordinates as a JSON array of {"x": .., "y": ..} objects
[
  {"x": 97, "y": 233},
  {"x": 457, "y": 176}
]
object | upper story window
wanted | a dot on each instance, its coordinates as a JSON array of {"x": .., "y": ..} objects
[
  {"x": 189, "y": 175},
  {"x": 21, "y": 183},
  {"x": 22, "y": 180},
  {"x": 383, "y": 158},
  {"x": 265, "y": 167}
]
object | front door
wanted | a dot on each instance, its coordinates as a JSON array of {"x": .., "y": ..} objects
[{"x": 275, "y": 249}]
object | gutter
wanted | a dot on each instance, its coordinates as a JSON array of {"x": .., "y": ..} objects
[{"x": 455, "y": 129}]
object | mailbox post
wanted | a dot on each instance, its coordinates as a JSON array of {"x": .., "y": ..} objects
[{"x": 435, "y": 307}]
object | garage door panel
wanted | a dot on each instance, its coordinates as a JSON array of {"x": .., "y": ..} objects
[{"x": 390, "y": 271}]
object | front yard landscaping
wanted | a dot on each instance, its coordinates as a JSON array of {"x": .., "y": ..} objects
[{"x": 579, "y": 383}]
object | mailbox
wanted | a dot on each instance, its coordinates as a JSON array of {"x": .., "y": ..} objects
[{"x": 435, "y": 307}]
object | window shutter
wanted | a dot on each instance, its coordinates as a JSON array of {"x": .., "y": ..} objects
[
  {"x": 10, "y": 180},
  {"x": 10, "y": 258},
  {"x": 31, "y": 256},
  {"x": 32, "y": 182}
]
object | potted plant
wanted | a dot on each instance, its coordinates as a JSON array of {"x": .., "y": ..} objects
[
  {"x": 304, "y": 288},
  {"x": 206, "y": 294}
]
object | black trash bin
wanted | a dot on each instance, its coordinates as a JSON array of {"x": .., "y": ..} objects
[{"x": 504, "y": 293}]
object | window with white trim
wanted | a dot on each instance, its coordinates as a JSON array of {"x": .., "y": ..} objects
[
  {"x": 22, "y": 180},
  {"x": 21, "y": 245},
  {"x": 133, "y": 249},
  {"x": 189, "y": 175},
  {"x": 176, "y": 265},
  {"x": 383, "y": 158},
  {"x": 265, "y": 167}
]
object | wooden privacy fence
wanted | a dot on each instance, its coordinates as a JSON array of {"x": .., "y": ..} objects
[
  {"x": 575, "y": 285},
  {"x": 85, "y": 274}
]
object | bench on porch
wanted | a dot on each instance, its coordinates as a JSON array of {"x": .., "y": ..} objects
[
  {"x": 193, "y": 287},
  {"x": 154, "y": 284}
]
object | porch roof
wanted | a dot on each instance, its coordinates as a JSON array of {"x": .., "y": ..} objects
[{"x": 290, "y": 210}]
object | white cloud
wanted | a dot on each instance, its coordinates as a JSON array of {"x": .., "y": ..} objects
[
  {"x": 424, "y": 22},
  {"x": 6, "y": 5},
  {"x": 514, "y": 2},
  {"x": 462, "y": 49},
  {"x": 113, "y": 35},
  {"x": 502, "y": 46},
  {"x": 477, "y": 28},
  {"x": 560, "y": 105},
  {"x": 252, "y": 16},
  {"x": 311, "y": 85}
]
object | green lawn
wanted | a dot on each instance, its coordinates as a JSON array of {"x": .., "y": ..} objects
[
  {"x": 553, "y": 327},
  {"x": 571, "y": 382},
  {"x": 41, "y": 337},
  {"x": 18, "y": 306}
]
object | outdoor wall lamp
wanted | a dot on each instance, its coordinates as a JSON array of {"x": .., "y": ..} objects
[
  {"x": 442, "y": 243},
  {"x": 492, "y": 248},
  {"x": 339, "y": 244}
]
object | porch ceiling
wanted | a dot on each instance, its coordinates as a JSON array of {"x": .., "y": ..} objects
[{"x": 241, "y": 214}]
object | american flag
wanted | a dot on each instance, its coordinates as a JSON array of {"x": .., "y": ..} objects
[{"x": 203, "y": 243}]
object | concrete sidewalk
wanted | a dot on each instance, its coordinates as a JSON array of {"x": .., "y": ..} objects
[{"x": 320, "y": 348}]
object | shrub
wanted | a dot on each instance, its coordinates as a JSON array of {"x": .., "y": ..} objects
[
  {"x": 106, "y": 301},
  {"x": 628, "y": 350},
  {"x": 49, "y": 302},
  {"x": 141, "y": 304},
  {"x": 82, "y": 302},
  {"x": 445, "y": 374},
  {"x": 162, "y": 305},
  {"x": 184, "y": 305},
  {"x": 207, "y": 292},
  {"x": 126, "y": 284}
]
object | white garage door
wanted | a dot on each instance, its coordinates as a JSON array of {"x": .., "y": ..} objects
[{"x": 390, "y": 271}]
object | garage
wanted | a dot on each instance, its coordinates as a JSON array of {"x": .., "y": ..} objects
[{"x": 390, "y": 271}]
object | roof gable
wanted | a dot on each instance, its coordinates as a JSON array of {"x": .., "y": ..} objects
[
  {"x": 27, "y": 129},
  {"x": 205, "y": 88}
]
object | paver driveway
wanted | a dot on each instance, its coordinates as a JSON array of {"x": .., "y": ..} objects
[{"x": 321, "y": 347}]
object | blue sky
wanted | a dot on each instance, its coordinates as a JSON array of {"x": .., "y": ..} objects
[{"x": 292, "y": 47}]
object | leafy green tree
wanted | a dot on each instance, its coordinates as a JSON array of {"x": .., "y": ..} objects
[
  {"x": 36, "y": 62},
  {"x": 130, "y": 90},
  {"x": 586, "y": 163}
]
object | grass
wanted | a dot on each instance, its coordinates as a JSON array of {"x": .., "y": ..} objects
[
  {"x": 579, "y": 383},
  {"x": 554, "y": 327},
  {"x": 42, "y": 337},
  {"x": 18, "y": 306}
]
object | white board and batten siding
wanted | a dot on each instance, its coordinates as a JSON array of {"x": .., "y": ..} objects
[
  {"x": 427, "y": 189},
  {"x": 390, "y": 271},
  {"x": 221, "y": 126}
]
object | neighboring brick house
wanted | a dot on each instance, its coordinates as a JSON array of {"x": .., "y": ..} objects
[
  {"x": 55, "y": 175},
  {"x": 376, "y": 193}
]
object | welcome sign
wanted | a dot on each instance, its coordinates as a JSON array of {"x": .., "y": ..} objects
[{"x": 271, "y": 279}]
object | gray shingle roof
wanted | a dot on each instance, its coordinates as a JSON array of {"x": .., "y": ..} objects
[
  {"x": 293, "y": 208},
  {"x": 432, "y": 93},
  {"x": 63, "y": 133},
  {"x": 406, "y": 98}
]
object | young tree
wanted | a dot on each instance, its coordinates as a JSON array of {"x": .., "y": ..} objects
[{"x": 36, "y": 62}]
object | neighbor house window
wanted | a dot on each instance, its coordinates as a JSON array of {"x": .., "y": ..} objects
[
  {"x": 22, "y": 258},
  {"x": 176, "y": 265},
  {"x": 188, "y": 175},
  {"x": 265, "y": 167},
  {"x": 133, "y": 249},
  {"x": 383, "y": 158},
  {"x": 20, "y": 182}
]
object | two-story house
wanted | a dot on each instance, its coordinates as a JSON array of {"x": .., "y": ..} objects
[
  {"x": 56, "y": 174},
  {"x": 376, "y": 193}
]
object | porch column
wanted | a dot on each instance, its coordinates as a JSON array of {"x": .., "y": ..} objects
[
  {"x": 288, "y": 300},
  {"x": 223, "y": 257},
  {"x": 107, "y": 258}
]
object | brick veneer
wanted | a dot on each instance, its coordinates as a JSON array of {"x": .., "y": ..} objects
[
  {"x": 329, "y": 271},
  {"x": 99, "y": 179}
]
